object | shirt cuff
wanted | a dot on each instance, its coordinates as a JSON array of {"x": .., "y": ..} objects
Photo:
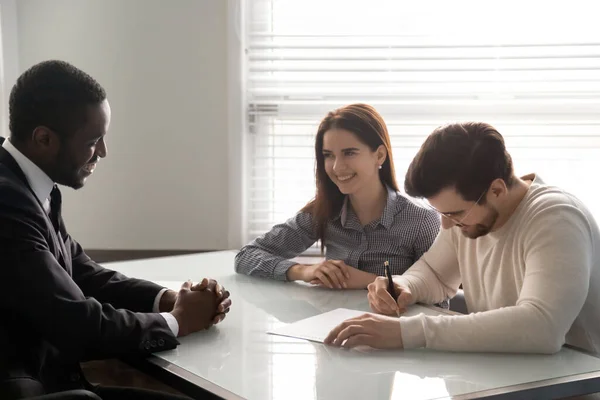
[
  {"x": 156, "y": 305},
  {"x": 413, "y": 331},
  {"x": 280, "y": 271},
  {"x": 172, "y": 322}
]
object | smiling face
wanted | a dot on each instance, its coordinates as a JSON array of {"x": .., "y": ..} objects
[
  {"x": 473, "y": 218},
  {"x": 78, "y": 155},
  {"x": 350, "y": 163}
]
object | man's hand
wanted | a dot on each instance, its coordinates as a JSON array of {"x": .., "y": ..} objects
[
  {"x": 371, "y": 330},
  {"x": 223, "y": 300},
  {"x": 167, "y": 301},
  {"x": 358, "y": 279},
  {"x": 194, "y": 310},
  {"x": 332, "y": 273},
  {"x": 382, "y": 302}
]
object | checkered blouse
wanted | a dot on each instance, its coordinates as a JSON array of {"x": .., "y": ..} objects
[{"x": 403, "y": 233}]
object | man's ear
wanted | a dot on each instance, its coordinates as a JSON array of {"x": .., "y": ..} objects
[
  {"x": 498, "y": 188},
  {"x": 41, "y": 136},
  {"x": 44, "y": 138}
]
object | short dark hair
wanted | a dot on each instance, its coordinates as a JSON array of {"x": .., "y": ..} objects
[
  {"x": 53, "y": 94},
  {"x": 467, "y": 156}
]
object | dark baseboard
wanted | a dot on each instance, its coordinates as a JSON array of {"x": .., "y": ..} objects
[{"x": 102, "y": 256}]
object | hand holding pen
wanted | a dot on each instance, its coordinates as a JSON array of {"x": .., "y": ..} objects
[
  {"x": 390, "y": 288},
  {"x": 388, "y": 297}
]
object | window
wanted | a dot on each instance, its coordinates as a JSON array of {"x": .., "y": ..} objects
[{"x": 531, "y": 69}]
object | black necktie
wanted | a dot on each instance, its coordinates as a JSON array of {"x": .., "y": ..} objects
[{"x": 55, "y": 206}]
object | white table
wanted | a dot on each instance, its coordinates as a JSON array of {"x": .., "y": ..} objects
[{"x": 238, "y": 360}]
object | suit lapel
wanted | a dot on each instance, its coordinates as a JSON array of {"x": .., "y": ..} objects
[
  {"x": 61, "y": 254},
  {"x": 59, "y": 244},
  {"x": 65, "y": 252}
]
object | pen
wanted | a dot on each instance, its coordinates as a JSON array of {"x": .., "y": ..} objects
[{"x": 391, "y": 289}]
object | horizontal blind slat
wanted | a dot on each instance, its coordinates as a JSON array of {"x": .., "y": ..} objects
[{"x": 420, "y": 69}]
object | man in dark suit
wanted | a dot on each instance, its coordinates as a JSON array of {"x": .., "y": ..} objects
[{"x": 57, "y": 306}]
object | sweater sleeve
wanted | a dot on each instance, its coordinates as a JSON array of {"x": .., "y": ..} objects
[
  {"x": 558, "y": 252},
  {"x": 436, "y": 275}
]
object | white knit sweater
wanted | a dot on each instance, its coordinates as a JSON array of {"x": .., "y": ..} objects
[{"x": 530, "y": 286}]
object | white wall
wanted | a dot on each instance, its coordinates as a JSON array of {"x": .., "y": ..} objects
[
  {"x": 9, "y": 64},
  {"x": 165, "y": 182}
]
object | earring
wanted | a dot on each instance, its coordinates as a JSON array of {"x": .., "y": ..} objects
[{"x": 380, "y": 167}]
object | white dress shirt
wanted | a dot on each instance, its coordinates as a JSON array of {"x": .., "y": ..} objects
[{"x": 42, "y": 185}]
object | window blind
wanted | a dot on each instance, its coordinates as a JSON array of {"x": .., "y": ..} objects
[{"x": 531, "y": 69}]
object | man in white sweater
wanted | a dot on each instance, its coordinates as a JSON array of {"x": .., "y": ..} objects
[{"x": 527, "y": 255}]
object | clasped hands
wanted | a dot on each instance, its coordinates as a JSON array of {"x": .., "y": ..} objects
[
  {"x": 197, "y": 306},
  {"x": 333, "y": 274}
]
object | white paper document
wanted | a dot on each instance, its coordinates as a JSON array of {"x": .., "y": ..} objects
[{"x": 318, "y": 327}]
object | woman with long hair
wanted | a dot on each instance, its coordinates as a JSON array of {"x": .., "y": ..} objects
[{"x": 358, "y": 215}]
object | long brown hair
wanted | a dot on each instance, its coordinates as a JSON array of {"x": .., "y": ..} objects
[{"x": 368, "y": 126}]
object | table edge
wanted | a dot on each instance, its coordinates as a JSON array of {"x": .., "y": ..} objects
[
  {"x": 554, "y": 388},
  {"x": 180, "y": 378},
  {"x": 560, "y": 387}
]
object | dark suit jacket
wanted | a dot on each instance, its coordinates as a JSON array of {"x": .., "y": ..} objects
[{"x": 57, "y": 306}]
